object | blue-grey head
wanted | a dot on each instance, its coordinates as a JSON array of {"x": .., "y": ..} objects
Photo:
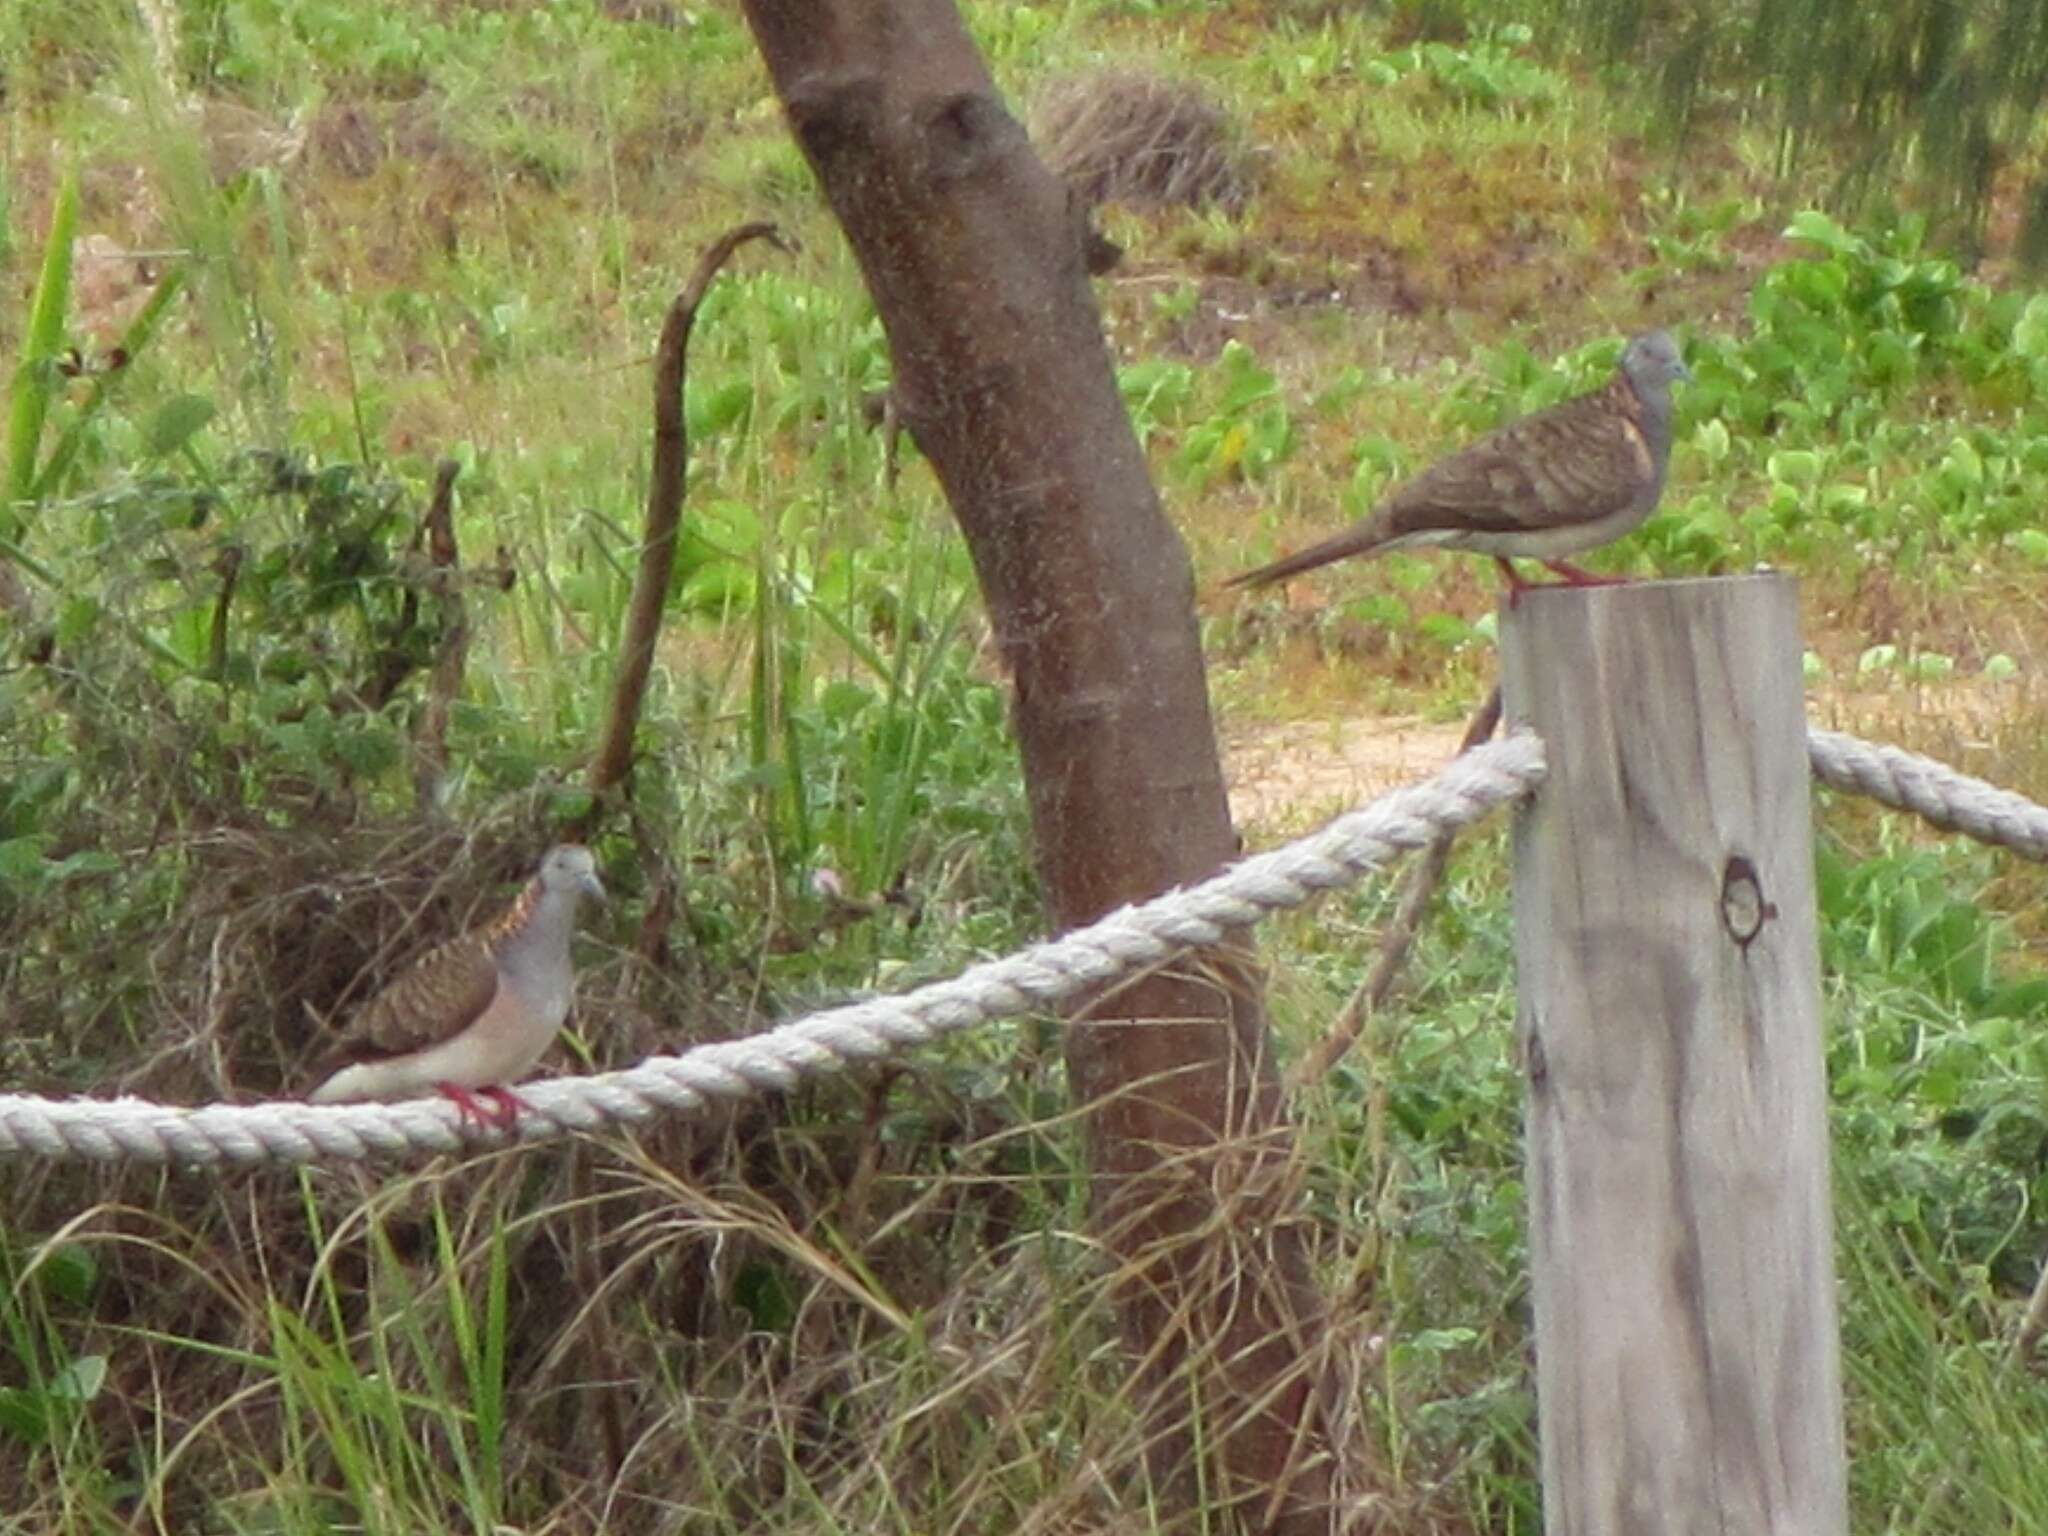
[
  {"x": 569, "y": 867},
  {"x": 1651, "y": 362}
]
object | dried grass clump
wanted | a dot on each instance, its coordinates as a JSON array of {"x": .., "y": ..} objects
[{"x": 1121, "y": 136}]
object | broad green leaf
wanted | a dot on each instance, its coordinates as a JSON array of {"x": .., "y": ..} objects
[
  {"x": 1817, "y": 228},
  {"x": 1711, "y": 440},
  {"x": 70, "y": 1272},
  {"x": 717, "y": 409},
  {"x": 1964, "y": 466},
  {"x": 80, "y": 1380},
  {"x": 1930, "y": 666},
  {"x": 2030, "y": 331},
  {"x": 2030, "y": 542},
  {"x": 1793, "y": 466}
]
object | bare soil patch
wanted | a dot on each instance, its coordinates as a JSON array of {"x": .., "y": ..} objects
[{"x": 1288, "y": 776}]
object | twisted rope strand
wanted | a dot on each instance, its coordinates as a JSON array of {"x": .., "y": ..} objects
[
  {"x": 1040, "y": 976},
  {"x": 1952, "y": 801}
]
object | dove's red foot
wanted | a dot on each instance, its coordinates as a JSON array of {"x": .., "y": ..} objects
[
  {"x": 1516, "y": 585},
  {"x": 1583, "y": 578},
  {"x": 504, "y": 1109},
  {"x": 1574, "y": 576}
]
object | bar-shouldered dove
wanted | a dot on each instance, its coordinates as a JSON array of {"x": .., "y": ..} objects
[
  {"x": 1571, "y": 477},
  {"x": 475, "y": 1014}
]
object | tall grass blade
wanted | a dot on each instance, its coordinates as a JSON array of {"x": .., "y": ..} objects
[
  {"x": 35, "y": 376},
  {"x": 135, "y": 339}
]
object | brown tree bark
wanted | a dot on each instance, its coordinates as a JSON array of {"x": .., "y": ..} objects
[{"x": 975, "y": 256}]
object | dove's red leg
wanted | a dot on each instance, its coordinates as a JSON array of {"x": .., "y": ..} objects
[
  {"x": 509, "y": 1105},
  {"x": 1513, "y": 577},
  {"x": 1583, "y": 578},
  {"x": 504, "y": 1104}
]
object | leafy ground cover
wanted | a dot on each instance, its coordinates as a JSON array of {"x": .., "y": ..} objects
[{"x": 382, "y": 237}]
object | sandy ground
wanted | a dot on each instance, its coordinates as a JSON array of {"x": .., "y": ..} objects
[
  {"x": 1289, "y": 777},
  {"x": 1296, "y": 775}
]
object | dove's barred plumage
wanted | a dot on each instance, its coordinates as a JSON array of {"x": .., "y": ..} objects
[
  {"x": 1572, "y": 477},
  {"x": 479, "y": 1011}
]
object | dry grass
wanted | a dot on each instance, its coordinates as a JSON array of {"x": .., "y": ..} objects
[{"x": 1119, "y": 136}]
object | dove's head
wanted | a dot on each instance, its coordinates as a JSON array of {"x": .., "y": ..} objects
[
  {"x": 569, "y": 867},
  {"x": 1651, "y": 362}
]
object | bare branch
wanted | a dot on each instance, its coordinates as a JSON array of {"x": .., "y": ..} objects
[{"x": 614, "y": 756}]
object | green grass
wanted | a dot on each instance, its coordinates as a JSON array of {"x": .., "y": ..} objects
[{"x": 875, "y": 1305}]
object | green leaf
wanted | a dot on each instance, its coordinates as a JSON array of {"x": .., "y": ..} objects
[
  {"x": 172, "y": 424},
  {"x": 367, "y": 745},
  {"x": 1817, "y": 228},
  {"x": 1438, "y": 1341},
  {"x": 21, "y": 858},
  {"x": 1964, "y": 466},
  {"x": 720, "y": 408},
  {"x": 24, "y": 1415},
  {"x": 35, "y": 379},
  {"x": 763, "y": 1292},
  {"x": 2030, "y": 542},
  {"x": 1447, "y": 630},
  {"x": 135, "y": 340},
  {"x": 78, "y": 617},
  {"x": 80, "y": 1380},
  {"x": 570, "y": 802},
  {"x": 1793, "y": 466},
  {"x": 2030, "y": 331}
]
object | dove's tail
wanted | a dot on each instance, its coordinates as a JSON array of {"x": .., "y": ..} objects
[{"x": 1358, "y": 539}]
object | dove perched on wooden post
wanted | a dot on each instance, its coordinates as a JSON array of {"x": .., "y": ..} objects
[
  {"x": 1571, "y": 477},
  {"x": 477, "y": 1013}
]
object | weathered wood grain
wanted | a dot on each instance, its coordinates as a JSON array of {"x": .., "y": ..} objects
[{"x": 1688, "y": 1370}]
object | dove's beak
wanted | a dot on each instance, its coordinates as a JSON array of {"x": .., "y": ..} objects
[{"x": 592, "y": 886}]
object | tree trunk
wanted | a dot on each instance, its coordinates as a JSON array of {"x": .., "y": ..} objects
[{"x": 974, "y": 254}]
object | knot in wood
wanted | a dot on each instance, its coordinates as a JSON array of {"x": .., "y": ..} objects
[{"x": 1743, "y": 908}]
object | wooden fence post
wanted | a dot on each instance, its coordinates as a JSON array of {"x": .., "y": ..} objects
[{"x": 1681, "y": 1241}]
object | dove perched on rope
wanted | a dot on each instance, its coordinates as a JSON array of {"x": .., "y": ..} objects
[
  {"x": 476, "y": 1013},
  {"x": 1571, "y": 477}
]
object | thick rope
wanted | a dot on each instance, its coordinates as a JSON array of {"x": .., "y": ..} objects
[
  {"x": 1040, "y": 977},
  {"x": 1952, "y": 801}
]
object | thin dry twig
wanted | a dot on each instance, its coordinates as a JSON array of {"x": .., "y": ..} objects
[
  {"x": 1418, "y": 888},
  {"x": 431, "y": 742}
]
